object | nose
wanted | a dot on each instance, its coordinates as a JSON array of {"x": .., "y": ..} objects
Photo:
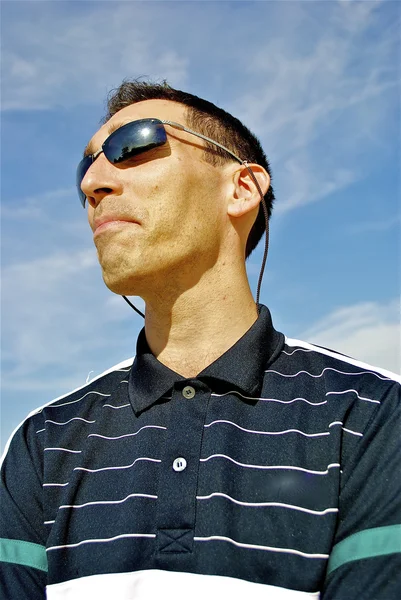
[{"x": 100, "y": 180}]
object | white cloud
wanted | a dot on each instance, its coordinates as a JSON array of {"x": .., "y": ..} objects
[
  {"x": 75, "y": 56},
  {"x": 58, "y": 322},
  {"x": 309, "y": 184},
  {"x": 323, "y": 97},
  {"x": 35, "y": 206},
  {"x": 374, "y": 226},
  {"x": 368, "y": 331},
  {"x": 354, "y": 15}
]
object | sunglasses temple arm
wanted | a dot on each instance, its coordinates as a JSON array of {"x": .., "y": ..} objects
[
  {"x": 204, "y": 137},
  {"x": 207, "y": 139}
]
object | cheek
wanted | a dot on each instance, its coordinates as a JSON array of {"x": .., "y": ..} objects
[
  {"x": 181, "y": 206},
  {"x": 184, "y": 214},
  {"x": 167, "y": 203}
]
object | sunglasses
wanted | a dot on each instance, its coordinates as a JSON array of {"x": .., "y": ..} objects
[{"x": 133, "y": 139}]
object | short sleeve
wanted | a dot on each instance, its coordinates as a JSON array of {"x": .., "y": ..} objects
[
  {"x": 23, "y": 564},
  {"x": 365, "y": 561}
]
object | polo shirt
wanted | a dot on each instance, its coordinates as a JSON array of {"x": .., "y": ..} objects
[{"x": 272, "y": 474}]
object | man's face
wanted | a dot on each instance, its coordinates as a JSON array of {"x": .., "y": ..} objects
[{"x": 169, "y": 205}]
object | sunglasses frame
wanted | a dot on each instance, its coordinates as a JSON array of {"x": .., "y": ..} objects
[{"x": 151, "y": 121}]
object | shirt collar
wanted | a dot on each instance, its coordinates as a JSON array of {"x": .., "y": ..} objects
[{"x": 241, "y": 367}]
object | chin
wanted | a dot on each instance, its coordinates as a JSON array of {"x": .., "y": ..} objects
[
  {"x": 120, "y": 285},
  {"x": 123, "y": 290}
]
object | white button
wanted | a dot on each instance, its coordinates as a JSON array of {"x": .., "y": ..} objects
[
  {"x": 188, "y": 392},
  {"x": 179, "y": 464}
]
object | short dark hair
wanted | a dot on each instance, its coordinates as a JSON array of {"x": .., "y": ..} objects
[{"x": 210, "y": 120}]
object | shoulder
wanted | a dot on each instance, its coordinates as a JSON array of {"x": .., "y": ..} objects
[
  {"x": 100, "y": 386},
  {"x": 321, "y": 371},
  {"x": 353, "y": 392},
  {"x": 298, "y": 353},
  {"x": 73, "y": 405}
]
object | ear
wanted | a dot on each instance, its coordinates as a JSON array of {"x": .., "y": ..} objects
[{"x": 246, "y": 196}]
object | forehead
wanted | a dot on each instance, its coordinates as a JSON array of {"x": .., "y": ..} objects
[{"x": 159, "y": 109}]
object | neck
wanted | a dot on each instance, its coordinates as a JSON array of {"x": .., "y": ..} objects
[{"x": 191, "y": 331}]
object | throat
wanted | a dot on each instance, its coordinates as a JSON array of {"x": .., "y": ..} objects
[
  {"x": 190, "y": 335},
  {"x": 188, "y": 366},
  {"x": 188, "y": 350}
]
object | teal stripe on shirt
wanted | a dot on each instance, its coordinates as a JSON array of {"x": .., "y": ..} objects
[
  {"x": 369, "y": 543},
  {"x": 19, "y": 552}
]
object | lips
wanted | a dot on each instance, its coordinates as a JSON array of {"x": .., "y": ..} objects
[{"x": 98, "y": 222}]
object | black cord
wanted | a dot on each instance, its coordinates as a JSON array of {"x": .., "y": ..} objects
[
  {"x": 134, "y": 307},
  {"x": 262, "y": 268}
]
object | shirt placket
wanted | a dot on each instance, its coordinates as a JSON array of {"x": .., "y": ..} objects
[{"x": 179, "y": 471}]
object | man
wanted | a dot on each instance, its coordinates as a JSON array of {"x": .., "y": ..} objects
[{"x": 226, "y": 460}]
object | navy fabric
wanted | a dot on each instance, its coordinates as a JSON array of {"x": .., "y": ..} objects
[{"x": 289, "y": 450}]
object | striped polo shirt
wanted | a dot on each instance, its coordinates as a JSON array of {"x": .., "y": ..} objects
[{"x": 274, "y": 473}]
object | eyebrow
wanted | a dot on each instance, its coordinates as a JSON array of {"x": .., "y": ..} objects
[{"x": 90, "y": 148}]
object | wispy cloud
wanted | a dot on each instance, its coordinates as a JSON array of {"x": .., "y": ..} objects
[
  {"x": 323, "y": 95},
  {"x": 306, "y": 182},
  {"x": 35, "y": 206},
  {"x": 374, "y": 226},
  {"x": 75, "y": 56},
  {"x": 368, "y": 331},
  {"x": 47, "y": 328}
]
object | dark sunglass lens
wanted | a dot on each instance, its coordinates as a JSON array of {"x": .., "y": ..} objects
[
  {"x": 134, "y": 138},
  {"x": 81, "y": 170}
]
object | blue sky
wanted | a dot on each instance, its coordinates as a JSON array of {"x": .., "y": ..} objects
[{"x": 317, "y": 82}]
